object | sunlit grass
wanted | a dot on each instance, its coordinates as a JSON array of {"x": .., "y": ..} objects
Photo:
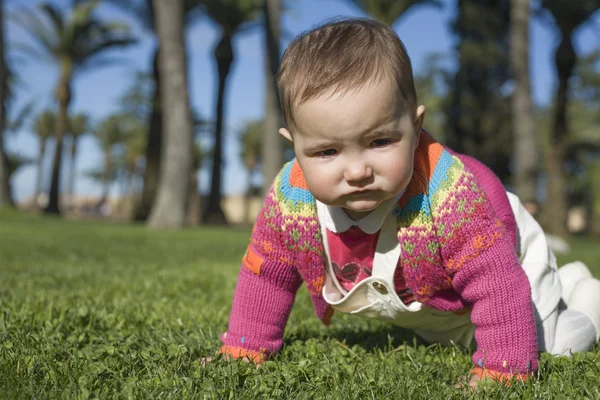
[{"x": 93, "y": 309}]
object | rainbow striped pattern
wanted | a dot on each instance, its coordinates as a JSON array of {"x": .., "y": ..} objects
[{"x": 443, "y": 207}]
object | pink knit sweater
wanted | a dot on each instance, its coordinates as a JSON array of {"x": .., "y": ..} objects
[{"x": 457, "y": 253}]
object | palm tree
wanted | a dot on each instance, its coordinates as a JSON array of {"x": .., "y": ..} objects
[
  {"x": 5, "y": 195},
  {"x": 390, "y": 11},
  {"x": 568, "y": 15},
  {"x": 170, "y": 208},
  {"x": 135, "y": 147},
  {"x": 272, "y": 142},
  {"x": 232, "y": 16},
  {"x": 144, "y": 12},
  {"x": 78, "y": 125},
  {"x": 76, "y": 40},
  {"x": 110, "y": 132},
  {"x": 251, "y": 139},
  {"x": 194, "y": 200},
  {"x": 525, "y": 140},
  {"x": 43, "y": 127}
]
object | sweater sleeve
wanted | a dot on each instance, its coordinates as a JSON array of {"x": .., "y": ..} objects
[
  {"x": 481, "y": 259},
  {"x": 265, "y": 290}
]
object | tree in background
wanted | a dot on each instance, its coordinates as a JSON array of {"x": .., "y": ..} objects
[
  {"x": 232, "y": 16},
  {"x": 75, "y": 39},
  {"x": 5, "y": 193},
  {"x": 431, "y": 84},
  {"x": 110, "y": 132},
  {"x": 272, "y": 142},
  {"x": 194, "y": 201},
  {"x": 170, "y": 208},
  {"x": 251, "y": 155},
  {"x": 78, "y": 125},
  {"x": 568, "y": 15},
  {"x": 16, "y": 161},
  {"x": 525, "y": 143},
  {"x": 479, "y": 111},
  {"x": 390, "y": 11},
  {"x": 583, "y": 156},
  {"x": 135, "y": 146},
  {"x": 43, "y": 128},
  {"x": 144, "y": 13}
]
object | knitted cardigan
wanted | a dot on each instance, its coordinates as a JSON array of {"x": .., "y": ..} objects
[{"x": 456, "y": 255}]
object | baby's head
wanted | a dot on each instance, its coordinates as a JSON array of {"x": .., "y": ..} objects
[{"x": 350, "y": 107}]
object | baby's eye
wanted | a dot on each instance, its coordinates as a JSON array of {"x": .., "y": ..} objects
[
  {"x": 327, "y": 153},
  {"x": 381, "y": 142}
]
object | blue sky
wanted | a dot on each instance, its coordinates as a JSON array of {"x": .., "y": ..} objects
[{"x": 424, "y": 31}]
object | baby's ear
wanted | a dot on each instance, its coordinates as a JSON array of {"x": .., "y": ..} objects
[
  {"x": 419, "y": 118},
  {"x": 286, "y": 134}
]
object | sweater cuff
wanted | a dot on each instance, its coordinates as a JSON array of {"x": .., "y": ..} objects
[
  {"x": 503, "y": 377},
  {"x": 256, "y": 357}
]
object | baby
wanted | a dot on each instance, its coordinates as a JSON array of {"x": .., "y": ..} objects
[{"x": 380, "y": 220}]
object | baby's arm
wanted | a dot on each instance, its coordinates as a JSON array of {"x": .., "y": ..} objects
[
  {"x": 495, "y": 284},
  {"x": 505, "y": 331},
  {"x": 265, "y": 291}
]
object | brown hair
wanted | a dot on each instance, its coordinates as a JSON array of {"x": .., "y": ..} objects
[{"x": 341, "y": 55}]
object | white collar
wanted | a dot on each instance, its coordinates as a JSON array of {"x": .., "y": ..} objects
[{"x": 337, "y": 221}]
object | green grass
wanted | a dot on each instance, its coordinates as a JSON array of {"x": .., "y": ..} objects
[{"x": 92, "y": 309}]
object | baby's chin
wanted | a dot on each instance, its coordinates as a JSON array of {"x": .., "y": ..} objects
[{"x": 360, "y": 209}]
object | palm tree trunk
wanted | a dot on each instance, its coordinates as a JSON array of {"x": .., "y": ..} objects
[
  {"x": 249, "y": 192},
  {"x": 557, "y": 182},
  {"x": 170, "y": 209},
  {"x": 272, "y": 143},
  {"x": 193, "y": 216},
  {"x": 5, "y": 192},
  {"x": 213, "y": 214},
  {"x": 524, "y": 143},
  {"x": 63, "y": 94},
  {"x": 72, "y": 173},
  {"x": 107, "y": 177},
  {"x": 153, "y": 148},
  {"x": 40, "y": 169}
]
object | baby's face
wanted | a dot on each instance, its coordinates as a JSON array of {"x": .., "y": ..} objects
[{"x": 356, "y": 149}]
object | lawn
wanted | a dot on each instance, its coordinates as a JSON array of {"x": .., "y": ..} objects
[{"x": 91, "y": 309}]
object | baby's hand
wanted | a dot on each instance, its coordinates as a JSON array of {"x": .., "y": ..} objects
[
  {"x": 475, "y": 382},
  {"x": 478, "y": 379},
  {"x": 205, "y": 360},
  {"x": 475, "y": 379}
]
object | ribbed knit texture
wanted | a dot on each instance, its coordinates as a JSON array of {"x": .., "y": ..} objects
[{"x": 456, "y": 254}]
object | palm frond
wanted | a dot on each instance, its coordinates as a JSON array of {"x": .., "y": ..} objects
[
  {"x": 113, "y": 130},
  {"x": 81, "y": 12},
  {"x": 112, "y": 43},
  {"x": 192, "y": 10},
  {"x": 38, "y": 30},
  {"x": 100, "y": 61},
  {"x": 43, "y": 126},
  {"x": 569, "y": 15},
  {"x": 55, "y": 16},
  {"x": 31, "y": 51},
  {"x": 16, "y": 161},
  {"x": 230, "y": 15},
  {"x": 22, "y": 116},
  {"x": 79, "y": 124},
  {"x": 390, "y": 11},
  {"x": 141, "y": 10}
]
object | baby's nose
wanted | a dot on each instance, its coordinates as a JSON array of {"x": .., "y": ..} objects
[{"x": 357, "y": 172}]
